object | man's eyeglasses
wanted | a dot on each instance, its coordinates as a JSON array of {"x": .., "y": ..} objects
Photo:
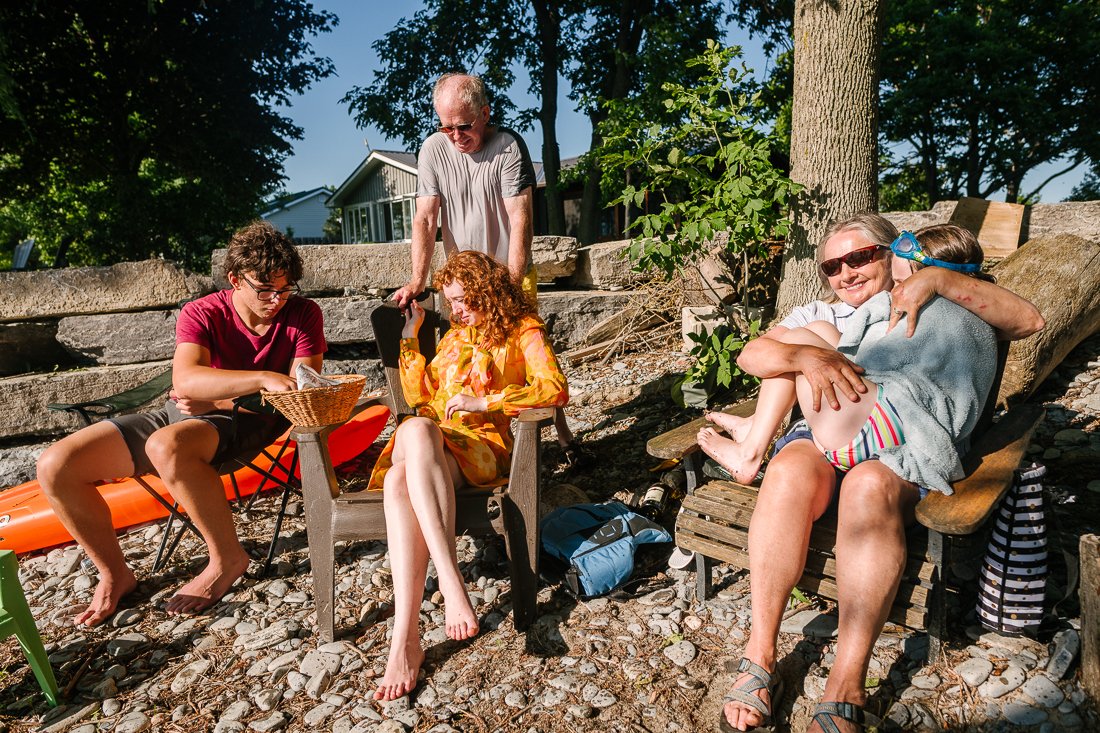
[
  {"x": 268, "y": 294},
  {"x": 448, "y": 129},
  {"x": 854, "y": 259},
  {"x": 907, "y": 247}
]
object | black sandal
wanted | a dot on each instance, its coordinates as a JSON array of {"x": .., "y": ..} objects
[
  {"x": 848, "y": 711},
  {"x": 575, "y": 456},
  {"x": 761, "y": 679}
]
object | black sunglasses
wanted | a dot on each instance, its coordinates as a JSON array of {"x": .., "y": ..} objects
[
  {"x": 448, "y": 129},
  {"x": 854, "y": 259}
]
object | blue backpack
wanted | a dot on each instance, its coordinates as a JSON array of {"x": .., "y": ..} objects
[{"x": 597, "y": 543}]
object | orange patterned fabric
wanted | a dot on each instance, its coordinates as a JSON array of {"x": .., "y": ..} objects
[{"x": 522, "y": 373}]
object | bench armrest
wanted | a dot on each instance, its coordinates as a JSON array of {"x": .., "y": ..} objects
[
  {"x": 680, "y": 441},
  {"x": 990, "y": 466}
]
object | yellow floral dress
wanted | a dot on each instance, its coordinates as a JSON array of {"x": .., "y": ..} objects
[{"x": 521, "y": 373}]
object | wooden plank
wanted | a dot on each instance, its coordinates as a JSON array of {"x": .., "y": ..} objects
[
  {"x": 1089, "y": 593},
  {"x": 676, "y": 443},
  {"x": 997, "y": 454},
  {"x": 901, "y": 613},
  {"x": 997, "y": 225}
]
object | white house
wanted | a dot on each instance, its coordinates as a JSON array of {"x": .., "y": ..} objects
[
  {"x": 300, "y": 216},
  {"x": 379, "y": 198}
]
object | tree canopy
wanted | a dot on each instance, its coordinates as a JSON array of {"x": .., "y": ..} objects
[{"x": 132, "y": 130}]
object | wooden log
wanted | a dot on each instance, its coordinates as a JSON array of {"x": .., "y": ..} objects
[
  {"x": 1060, "y": 274},
  {"x": 1090, "y": 615}
]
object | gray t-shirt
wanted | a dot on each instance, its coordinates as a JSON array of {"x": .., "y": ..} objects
[
  {"x": 834, "y": 313},
  {"x": 472, "y": 188}
]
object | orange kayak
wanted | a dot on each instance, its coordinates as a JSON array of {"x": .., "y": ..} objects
[{"x": 28, "y": 523}]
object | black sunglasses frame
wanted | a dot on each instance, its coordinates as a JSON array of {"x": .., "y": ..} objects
[{"x": 854, "y": 259}]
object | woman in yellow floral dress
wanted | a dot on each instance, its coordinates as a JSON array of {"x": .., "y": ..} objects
[{"x": 494, "y": 362}]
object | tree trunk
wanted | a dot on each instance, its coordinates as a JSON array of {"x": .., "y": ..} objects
[
  {"x": 834, "y": 123},
  {"x": 549, "y": 28}
]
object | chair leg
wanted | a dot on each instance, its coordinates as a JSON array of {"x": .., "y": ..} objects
[
  {"x": 35, "y": 652},
  {"x": 521, "y": 526},
  {"x": 937, "y": 597},
  {"x": 318, "y": 490},
  {"x": 287, "y": 488}
]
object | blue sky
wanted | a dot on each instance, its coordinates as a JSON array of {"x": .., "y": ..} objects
[{"x": 333, "y": 146}]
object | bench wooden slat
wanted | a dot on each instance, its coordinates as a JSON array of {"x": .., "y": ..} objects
[
  {"x": 996, "y": 454},
  {"x": 680, "y": 441}
]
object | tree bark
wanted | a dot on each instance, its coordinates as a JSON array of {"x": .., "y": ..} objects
[
  {"x": 1090, "y": 614},
  {"x": 834, "y": 123},
  {"x": 549, "y": 29}
]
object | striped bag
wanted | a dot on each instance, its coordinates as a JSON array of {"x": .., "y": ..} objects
[{"x": 1013, "y": 580}]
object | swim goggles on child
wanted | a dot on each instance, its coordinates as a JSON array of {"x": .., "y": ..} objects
[{"x": 907, "y": 247}]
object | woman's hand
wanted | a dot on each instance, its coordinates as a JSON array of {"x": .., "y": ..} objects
[
  {"x": 828, "y": 372},
  {"x": 909, "y": 296},
  {"x": 414, "y": 316},
  {"x": 466, "y": 403}
]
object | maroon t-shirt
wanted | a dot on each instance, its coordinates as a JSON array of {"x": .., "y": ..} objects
[{"x": 213, "y": 322}]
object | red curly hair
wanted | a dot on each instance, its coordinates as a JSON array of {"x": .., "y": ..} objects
[{"x": 490, "y": 289}]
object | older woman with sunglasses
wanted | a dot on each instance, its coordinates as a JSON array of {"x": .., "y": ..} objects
[{"x": 874, "y": 503}]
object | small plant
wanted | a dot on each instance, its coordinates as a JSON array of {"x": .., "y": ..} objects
[{"x": 715, "y": 373}]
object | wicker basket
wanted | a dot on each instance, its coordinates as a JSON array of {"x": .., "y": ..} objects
[{"x": 319, "y": 406}]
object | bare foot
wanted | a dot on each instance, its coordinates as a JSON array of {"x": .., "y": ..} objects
[
  {"x": 740, "y": 715},
  {"x": 461, "y": 619},
  {"x": 208, "y": 587},
  {"x": 740, "y": 460},
  {"x": 736, "y": 427},
  {"x": 105, "y": 600},
  {"x": 402, "y": 669}
]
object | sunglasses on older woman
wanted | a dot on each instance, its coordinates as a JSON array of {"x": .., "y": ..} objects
[{"x": 854, "y": 259}]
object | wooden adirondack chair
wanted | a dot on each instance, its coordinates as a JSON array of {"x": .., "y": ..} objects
[{"x": 510, "y": 511}]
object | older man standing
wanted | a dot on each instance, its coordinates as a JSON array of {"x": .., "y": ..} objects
[{"x": 477, "y": 181}]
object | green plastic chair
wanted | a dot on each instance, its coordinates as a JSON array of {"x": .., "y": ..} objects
[{"x": 15, "y": 618}]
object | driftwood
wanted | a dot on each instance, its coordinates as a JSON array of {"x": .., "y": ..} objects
[
  {"x": 1060, "y": 274},
  {"x": 1089, "y": 591}
]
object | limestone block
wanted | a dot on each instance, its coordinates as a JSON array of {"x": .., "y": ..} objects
[
  {"x": 1081, "y": 218},
  {"x": 604, "y": 265},
  {"x": 699, "y": 319},
  {"x": 914, "y": 220},
  {"x": 332, "y": 268},
  {"x": 347, "y": 320},
  {"x": 122, "y": 338},
  {"x": 25, "y": 397},
  {"x": 569, "y": 315},
  {"x": 554, "y": 257},
  {"x": 369, "y": 368},
  {"x": 127, "y": 286},
  {"x": 30, "y": 346}
]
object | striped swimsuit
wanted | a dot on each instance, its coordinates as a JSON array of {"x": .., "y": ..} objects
[{"x": 882, "y": 430}]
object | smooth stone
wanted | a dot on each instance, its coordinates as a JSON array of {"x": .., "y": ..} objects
[
  {"x": 127, "y": 617},
  {"x": 1001, "y": 685},
  {"x": 316, "y": 661},
  {"x": 111, "y": 706},
  {"x": 123, "y": 646},
  {"x": 1043, "y": 691},
  {"x": 580, "y": 711},
  {"x": 811, "y": 623},
  {"x": 515, "y": 699},
  {"x": 974, "y": 671},
  {"x": 267, "y": 699},
  {"x": 1018, "y": 713},
  {"x": 1066, "y": 645},
  {"x": 319, "y": 714},
  {"x": 133, "y": 723},
  {"x": 189, "y": 675},
  {"x": 229, "y": 726},
  {"x": 275, "y": 721},
  {"x": 681, "y": 653},
  {"x": 236, "y": 710},
  {"x": 928, "y": 681}
]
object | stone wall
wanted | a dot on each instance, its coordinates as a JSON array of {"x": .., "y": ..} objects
[
  {"x": 85, "y": 333},
  {"x": 1080, "y": 218}
]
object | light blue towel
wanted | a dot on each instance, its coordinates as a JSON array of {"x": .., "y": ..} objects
[{"x": 938, "y": 381}]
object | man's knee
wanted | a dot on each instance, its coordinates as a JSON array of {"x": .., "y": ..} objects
[
  {"x": 177, "y": 447},
  {"x": 49, "y": 467}
]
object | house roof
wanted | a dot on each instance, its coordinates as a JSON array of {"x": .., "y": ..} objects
[
  {"x": 375, "y": 159},
  {"x": 280, "y": 203}
]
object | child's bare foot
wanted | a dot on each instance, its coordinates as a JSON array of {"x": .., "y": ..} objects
[
  {"x": 736, "y": 427},
  {"x": 402, "y": 669},
  {"x": 740, "y": 460},
  {"x": 461, "y": 619},
  {"x": 208, "y": 587},
  {"x": 105, "y": 600}
]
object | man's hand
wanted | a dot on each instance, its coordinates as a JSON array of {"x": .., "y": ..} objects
[
  {"x": 828, "y": 371},
  {"x": 275, "y": 382},
  {"x": 466, "y": 403},
  {"x": 406, "y": 294},
  {"x": 908, "y": 297},
  {"x": 191, "y": 407}
]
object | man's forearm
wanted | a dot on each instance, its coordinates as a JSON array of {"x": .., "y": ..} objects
[{"x": 423, "y": 247}]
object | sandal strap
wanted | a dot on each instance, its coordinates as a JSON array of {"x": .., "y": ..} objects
[
  {"x": 760, "y": 679},
  {"x": 845, "y": 711}
]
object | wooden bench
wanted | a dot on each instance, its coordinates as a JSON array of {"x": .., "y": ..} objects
[{"x": 715, "y": 519}]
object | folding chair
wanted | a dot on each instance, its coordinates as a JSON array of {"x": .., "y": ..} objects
[
  {"x": 99, "y": 409},
  {"x": 16, "y": 619}
]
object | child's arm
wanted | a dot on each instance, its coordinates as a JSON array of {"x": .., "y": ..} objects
[{"x": 1011, "y": 316}]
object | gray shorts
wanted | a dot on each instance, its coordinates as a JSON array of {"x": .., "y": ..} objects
[{"x": 244, "y": 440}]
